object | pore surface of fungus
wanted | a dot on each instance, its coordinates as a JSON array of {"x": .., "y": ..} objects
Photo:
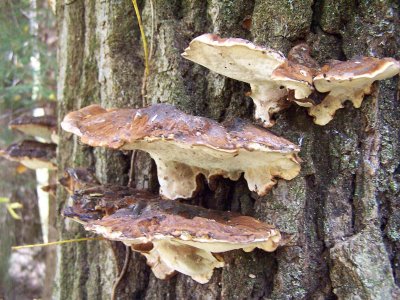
[
  {"x": 173, "y": 236},
  {"x": 268, "y": 72},
  {"x": 185, "y": 146},
  {"x": 349, "y": 80},
  {"x": 32, "y": 154},
  {"x": 43, "y": 127}
]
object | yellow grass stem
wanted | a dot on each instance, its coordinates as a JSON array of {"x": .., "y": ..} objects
[
  {"x": 57, "y": 243},
  {"x": 144, "y": 41}
]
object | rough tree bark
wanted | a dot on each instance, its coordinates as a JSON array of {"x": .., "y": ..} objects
[{"x": 342, "y": 209}]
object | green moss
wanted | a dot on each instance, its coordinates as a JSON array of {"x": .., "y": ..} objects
[
  {"x": 279, "y": 22},
  {"x": 335, "y": 14}
]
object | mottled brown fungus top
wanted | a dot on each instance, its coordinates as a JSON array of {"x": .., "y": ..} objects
[
  {"x": 43, "y": 127},
  {"x": 184, "y": 146},
  {"x": 32, "y": 154},
  {"x": 136, "y": 214},
  {"x": 349, "y": 80},
  {"x": 171, "y": 235},
  {"x": 75, "y": 179},
  {"x": 117, "y": 127}
]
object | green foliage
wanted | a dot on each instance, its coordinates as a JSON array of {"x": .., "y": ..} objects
[
  {"x": 25, "y": 33},
  {"x": 11, "y": 207},
  {"x": 17, "y": 47},
  {"x": 15, "y": 53}
]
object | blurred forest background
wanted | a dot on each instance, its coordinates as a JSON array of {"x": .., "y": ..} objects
[{"x": 27, "y": 81}]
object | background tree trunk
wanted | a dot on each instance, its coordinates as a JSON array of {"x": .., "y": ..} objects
[{"x": 343, "y": 207}]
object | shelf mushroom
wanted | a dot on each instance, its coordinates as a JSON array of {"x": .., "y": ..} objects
[
  {"x": 75, "y": 179},
  {"x": 171, "y": 235},
  {"x": 185, "y": 146},
  {"x": 43, "y": 127},
  {"x": 32, "y": 154},
  {"x": 349, "y": 80},
  {"x": 270, "y": 75}
]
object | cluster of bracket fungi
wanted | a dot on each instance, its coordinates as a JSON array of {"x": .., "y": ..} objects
[
  {"x": 276, "y": 80},
  {"x": 176, "y": 237},
  {"x": 39, "y": 152}
]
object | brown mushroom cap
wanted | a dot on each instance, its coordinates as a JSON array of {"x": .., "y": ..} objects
[
  {"x": 184, "y": 146},
  {"x": 178, "y": 236},
  {"x": 75, "y": 179},
  {"x": 242, "y": 60},
  {"x": 301, "y": 55},
  {"x": 32, "y": 154},
  {"x": 294, "y": 77},
  {"x": 43, "y": 127},
  {"x": 349, "y": 80}
]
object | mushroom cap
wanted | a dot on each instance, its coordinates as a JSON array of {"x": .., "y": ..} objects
[
  {"x": 269, "y": 73},
  {"x": 32, "y": 154},
  {"x": 117, "y": 128},
  {"x": 172, "y": 236},
  {"x": 138, "y": 217},
  {"x": 356, "y": 72},
  {"x": 42, "y": 127},
  {"x": 233, "y": 57},
  {"x": 349, "y": 80},
  {"x": 95, "y": 202},
  {"x": 184, "y": 146},
  {"x": 295, "y": 77},
  {"x": 214, "y": 231},
  {"x": 301, "y": 55},
  {"x": 75, "y": 179}
]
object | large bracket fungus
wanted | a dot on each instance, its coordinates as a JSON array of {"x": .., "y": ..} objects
[
  {"x": 185, "y": 146},
  {"x": 270, "y": 75},
  {"x": 349, "y": 80},
  {"x": 171, "y": 235},
  {"x": 32, "y": 154}
]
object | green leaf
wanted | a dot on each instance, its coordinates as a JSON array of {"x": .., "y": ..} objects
[{"x": 4, "y": 200}]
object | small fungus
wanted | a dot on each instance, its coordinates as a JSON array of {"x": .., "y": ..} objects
[
  {"x": 32, "y": 154},
  {"x": 349, "y": 80},
  {"x": 301, "y": 55},
  {"x": 44, "y": 127},
  {"x": 75, "y": 179},
  {"x": 185, "y": 146},
  {"x": 266, "y": 71},
  {"x": 171, "y": 235}
]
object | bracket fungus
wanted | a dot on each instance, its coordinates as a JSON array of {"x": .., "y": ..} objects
[
  {"x": 75, "y": 179},
  {"x": 349, "y": 80},
  {"x": 171, "y": 235},
  {"x": 270, "y": 75},
  {"x": 32, "y": 154},
  {"x": 43, "y": 127},
  {"x": 185, "y": 146}
]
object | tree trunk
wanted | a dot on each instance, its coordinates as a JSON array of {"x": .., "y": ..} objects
[{"x": 342, "y": 210}]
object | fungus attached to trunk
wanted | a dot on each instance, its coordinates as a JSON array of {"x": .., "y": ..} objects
[
  {"x": 77, "y": 179},
  {"x": 268, "y": 72},
  {"x": 349, "y": 80},
  {"x": 173, "y": 236},
  {"x": 44, "y": 127},
  {"x": 185, "y": 146},
  {"x": 32, "y": 154}
]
